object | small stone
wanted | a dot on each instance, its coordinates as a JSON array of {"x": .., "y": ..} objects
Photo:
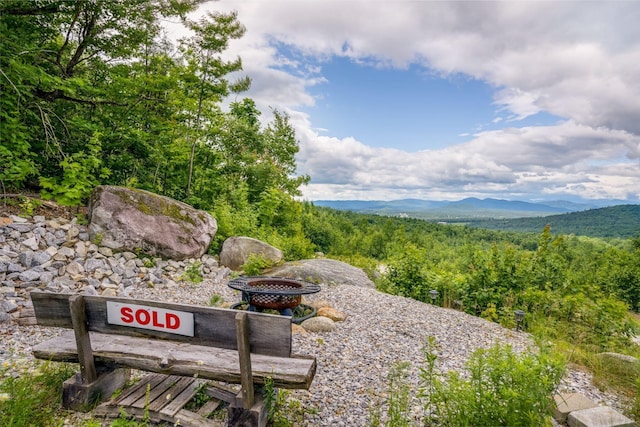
[
  {"x": 298, "y": 329},
  {"x": 319, "y": 324},
  {"x": 74, "y": 268},
  {"x": 73, "y": 232},
  {"x": 332, "y": 313},
  {"x": 26, "y": 258},
  {"x": 105, "y": 251},
  {"x": 89, "y": 290},
  {"x": 18, "y": 219},
  {"x": 115, "y": 278},
  {"x": 67, "y": 252},
  {"x": 40, "y": 258},
  {"x": 8, "y": 306},
  {"x": 93, "y": 264},
  {"x": 29, "y": 276},
  {"x": 81, "y": 249},
  {"x": 109, "y": 292},
  {"x": 129, "y": 255},
  {"x": 107, "y": 285},
  {"x": 31, "y": 243}
]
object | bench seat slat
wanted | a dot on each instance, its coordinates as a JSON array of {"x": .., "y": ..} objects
[{"x": 179, "y": 358}]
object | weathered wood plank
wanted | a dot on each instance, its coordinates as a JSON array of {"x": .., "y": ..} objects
[
  {"x": 269, "y": 334},
  {"x": 144, "y": 400},
  {"x": 191, "y": 419},
  {"x": 209, "y": 407},
  {"x": 244, "y": 352},
  {"x": 171, "y": 392},
  {"x": 140, "y": 389},
  {"x": 180, "y": 400},
  {"x": 183, "y": 359},
  {"x": 83, "y": 343},
  {"x": 222, "y": 392}
]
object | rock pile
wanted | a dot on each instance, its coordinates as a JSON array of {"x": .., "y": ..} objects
[{"x": 57, "y": 255}]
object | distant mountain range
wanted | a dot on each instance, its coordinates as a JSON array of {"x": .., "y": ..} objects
[{"x": 469, "y": 208}]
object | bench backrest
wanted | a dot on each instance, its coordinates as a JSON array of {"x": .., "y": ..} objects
[{"x": 214, "y": 327}]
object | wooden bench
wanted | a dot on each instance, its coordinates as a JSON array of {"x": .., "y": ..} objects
[{"x": 112, "y": 335}]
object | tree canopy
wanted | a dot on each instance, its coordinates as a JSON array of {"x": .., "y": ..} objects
[{"x": 94, "y": 92}]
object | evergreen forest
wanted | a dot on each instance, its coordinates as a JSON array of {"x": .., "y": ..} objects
[{"x": 95, "y": 92}]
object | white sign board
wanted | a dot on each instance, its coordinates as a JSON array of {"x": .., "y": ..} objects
[{"x": 154, "y": 318}]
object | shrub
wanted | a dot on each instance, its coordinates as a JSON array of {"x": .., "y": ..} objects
[
  {"x": 32, "y": 398},
  {"x": 503, "y": 389}
]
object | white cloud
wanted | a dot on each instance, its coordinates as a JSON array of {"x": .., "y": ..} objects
[{"x": 576, "y": 60}]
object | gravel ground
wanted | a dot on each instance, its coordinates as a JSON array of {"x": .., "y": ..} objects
[{"x": 353, "y": 360}]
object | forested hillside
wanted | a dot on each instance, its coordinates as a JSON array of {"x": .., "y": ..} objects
[{"x": 613, "y": 221}]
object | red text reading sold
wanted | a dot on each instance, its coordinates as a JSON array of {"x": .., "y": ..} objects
[{"x": 153, "y": 318}]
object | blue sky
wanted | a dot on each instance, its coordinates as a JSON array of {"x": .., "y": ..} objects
[
  {"x": 411, "y": 108},
  {"x": 446, "y": 100}
]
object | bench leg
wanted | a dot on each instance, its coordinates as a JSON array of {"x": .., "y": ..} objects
[
  {"x": 81, "y": 397},
  {"x": 256, "y": 416}
]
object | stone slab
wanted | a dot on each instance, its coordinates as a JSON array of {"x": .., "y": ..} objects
[
  {"x": 601, "y": 416},
  {"x": 569, "y": 402}
]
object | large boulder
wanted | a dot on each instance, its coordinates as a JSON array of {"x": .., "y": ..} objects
[
  {"x": 236, "y": 251},
  {"x": 326, "y": 271},
  {"x": 127, "y": 219}
]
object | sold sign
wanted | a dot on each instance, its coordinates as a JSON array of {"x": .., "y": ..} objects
[{"x": 154, "y": 318}]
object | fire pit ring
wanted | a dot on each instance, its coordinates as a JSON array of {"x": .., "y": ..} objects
[{"x": 275, "y": 293}]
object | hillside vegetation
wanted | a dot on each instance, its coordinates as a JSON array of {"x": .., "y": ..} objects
[{"x": 613, "y": 221}]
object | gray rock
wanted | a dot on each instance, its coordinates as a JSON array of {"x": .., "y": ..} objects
[
  {"x": 105, "y": 251},
  {"x": 31, "y": 243},
  {"x": 236, "y": 251},
  {"x": 30, "y": 275},
  {"x": 74, "y": 268},
  {"x": 73, "y": 232},
  {"x": 5, "y": 318},
  {"x": 20, "y": 227},
  {"x": 81, "y": 249},
  {"x": 93, "y": 264},
  {"x": 8, "y": 306},
  {"x": 128, "y": 220},
  {"x": 319, "y": 324},
  {"x": 46, "y": 277},
  {"x": 89, "y": 290},
  {"x": 25, "y": 258},
  {"x": 40, "y": 258},
  {"x": 67, "y": 252},
  {"x": 327, "y": 271}
]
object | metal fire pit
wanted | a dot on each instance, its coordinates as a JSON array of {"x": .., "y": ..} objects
[{"x": 275, "y": 293}]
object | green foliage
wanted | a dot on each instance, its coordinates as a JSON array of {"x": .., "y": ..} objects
[
  {"x": 80, "y": 175},
  {"x": 406, "y": 274},
  {"x": 216, "y": 300},
  {"x": 399, "y": 400},
  {"x": 635, "y": 405},
  {"x": 503, "y": 389},
  {"x": 33, "y": 397},
  {"x": 255, "y": 264},
  {"x": 90, "y": 97},
  {"x": 193, "y": 273},
  {"x": 282, "y": 409},
  {"x": 28, "y": 205}
]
